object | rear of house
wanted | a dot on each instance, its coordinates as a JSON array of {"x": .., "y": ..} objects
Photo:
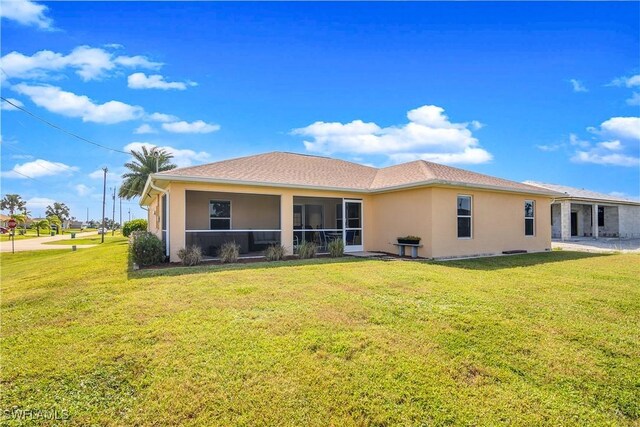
[{"x": 288, "y": 199}]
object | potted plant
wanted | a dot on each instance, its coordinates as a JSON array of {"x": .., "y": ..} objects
[{"x": 409, "y": 240}]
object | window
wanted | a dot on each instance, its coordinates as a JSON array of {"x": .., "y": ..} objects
[
  {"x": 464, "y": 217},
  {"x": 600, "y": 216},
  {"x": 339, "y": 216},
  {"x": 220, "y": 215},
  {"x": 529, "y": 217}
]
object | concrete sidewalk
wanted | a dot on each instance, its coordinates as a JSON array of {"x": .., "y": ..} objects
[
  {"x": 37, "y": 243},
  {"x": 602, "y": 244}
]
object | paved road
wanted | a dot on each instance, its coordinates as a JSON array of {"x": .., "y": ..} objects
[{"x": 36, "y": 243}]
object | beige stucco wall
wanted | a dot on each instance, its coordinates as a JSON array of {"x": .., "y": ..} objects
[
  {"x": 398, "y": 214},
  {"x": 498, "y": 218},
  {"x": 497, "y": 223},
  {"x": 154, "y": 219},
  {"x": 248, "y": 211}
]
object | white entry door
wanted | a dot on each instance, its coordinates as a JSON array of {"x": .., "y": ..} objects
[{"x": 352, "y": 231}]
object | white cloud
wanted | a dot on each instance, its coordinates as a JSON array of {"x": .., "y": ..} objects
[
  {"x": 549, "y": 147},
  {"x": 156, "y": 81},
  {"x": 8, "y": 107},
  {"x": 429, "y": 135},
  {"x": 578, "y": 86},
  {"x": 39, "y": 168},
  {"x": 114, "y": 176},
  {"x": 96, "y": 174},
  {"x": 632, "y": 81},
  {"x": 605, "y": 159},
  {"x": 635, "y": 99},
  {"x": 36, "y": 203},
  {"x": 194, "y": 127},
  {"x": 89, "y": 63},
  {"x": 469, "y": 156},
  {"x": 620, "y": 127},
  {"x": 160, "y": 117},
  {"x": 83, "y": 190},
  {"x": 137, "y": 61},
  {"x": 576, "y": 141},
  {"x": 620, "y": 148},
  {"x": 611, "y": 145},
  {"x": 26, "y": 12},
  {"x": 144, "y": 129},
  {"x": 180, "y": 157},
  {"x": 69, "y": 104}
]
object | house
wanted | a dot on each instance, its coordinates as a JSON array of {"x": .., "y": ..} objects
[
  {"x": 4, "y": 219},
  {"x": 286, "y": 198},
  {"x": 572, "y": 214}
]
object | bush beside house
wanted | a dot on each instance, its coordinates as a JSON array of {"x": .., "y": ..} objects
[{"x": 134, "y": 225}]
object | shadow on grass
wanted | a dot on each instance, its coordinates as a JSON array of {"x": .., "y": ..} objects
[
  {"x": 515, "y": 261},
  {"x": 214, "y": 268}
]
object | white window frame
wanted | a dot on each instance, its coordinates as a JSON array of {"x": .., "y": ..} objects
[
  {"x": 532, "y": 218},
  {"x": 465, "y": 216},
  {"x": 230, "y": 213}
]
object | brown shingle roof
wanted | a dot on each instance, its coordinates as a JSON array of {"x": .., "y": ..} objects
[{"x": 314, "y": 171}]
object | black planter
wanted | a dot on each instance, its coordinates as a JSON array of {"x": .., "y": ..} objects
[{"x": 409, "y": 241}]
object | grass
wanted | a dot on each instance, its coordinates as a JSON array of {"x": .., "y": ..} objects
[
  {"x": 44, "y": 232},
  {"x": 547, "y": 339},
  {"x": 93, "y": 240}
]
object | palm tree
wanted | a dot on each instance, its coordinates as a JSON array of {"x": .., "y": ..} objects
[
  {"x": 53, "y": 219},
  {"x": 60, "y": 211},
  {"x": 20, "y": 219},
  {"x": 12, "y": 203},
  {"x": 41, "y": 223},
  {"x": 145, "y": 163}
]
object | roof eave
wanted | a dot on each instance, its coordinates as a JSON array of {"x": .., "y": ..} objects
[
  {"x": 199, "y": 179},
  {"x": 596, "y": 200},
  {"x": 428, "y": 183}
]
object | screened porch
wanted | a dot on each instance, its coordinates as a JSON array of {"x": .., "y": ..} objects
[{"x": 250, "y": 220}]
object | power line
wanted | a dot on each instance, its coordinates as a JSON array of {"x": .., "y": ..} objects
[
  {"x": 62, "y": 129},
  {"x": 26, "y": 176}
]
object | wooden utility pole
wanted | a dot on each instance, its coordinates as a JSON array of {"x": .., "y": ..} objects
[
  {"x": 113, "y": 226},
  {"x": 104, "y": 200}
]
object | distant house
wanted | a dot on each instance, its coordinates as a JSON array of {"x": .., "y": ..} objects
[
  {"x": 72, "y": 224},
  {"x": 583, "y": 213},
  {"x": 4, "y": 219},
  {"x": 288, "y": 199}
]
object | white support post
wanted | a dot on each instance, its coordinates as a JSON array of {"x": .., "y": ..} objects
[
  {"x": 594, "y": 217},
  {"x": 565, "y": 220}
]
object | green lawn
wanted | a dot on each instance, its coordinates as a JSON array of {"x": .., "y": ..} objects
[
  {"x": 93, "y": 240},
  {"x": 548, "y": 339},
  {"x": 31, "y": 233}
]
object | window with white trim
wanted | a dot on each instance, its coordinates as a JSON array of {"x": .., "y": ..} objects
[
  {"x": 464, "y": 217},
  {"x": 529, "y": 218},
  {"x": 220, "y": 214}
]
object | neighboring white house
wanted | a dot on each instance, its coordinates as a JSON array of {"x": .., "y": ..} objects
[{"x": 573, "y": 214}]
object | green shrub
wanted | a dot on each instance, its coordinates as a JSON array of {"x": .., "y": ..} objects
[
  {"x": 146, "y": 248},
  {"x": 229, "y": 252},
  {"x": 134, "y": 225},
  {"x": 190, "y": 256},
  {"x": 336, "y": 248},
  {"x": 274, "y": 253},
  {"x": 307, "y": 250}
]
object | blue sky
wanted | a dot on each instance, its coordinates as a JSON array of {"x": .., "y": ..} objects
[{"x": 525, "y": 91}]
